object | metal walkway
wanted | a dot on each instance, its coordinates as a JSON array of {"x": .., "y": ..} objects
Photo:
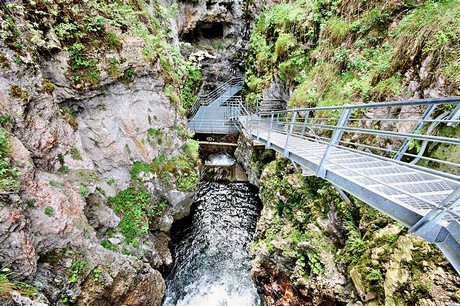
[
  {"x": 211, "y": 112},
  {"x": 351, "y": 147}
]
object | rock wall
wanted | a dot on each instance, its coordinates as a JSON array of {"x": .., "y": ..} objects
[
  {"x": 252, "y": 157},
  {"x": 311, "y": 246},
  {"x": 212, "y": 35},
  {"x": 75, "y": 144}
]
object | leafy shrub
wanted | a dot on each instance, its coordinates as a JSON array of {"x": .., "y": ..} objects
[
  {"x": 135, "y": 207},
  {"x": 19, "y": 93},
  {"x": 8, "y": 285},
  {"x": 114, "y": 41},
  {"x": 108, "y": 245},
  {"x": 191, "y": 87},
  {"x": 49, "y": 211}
]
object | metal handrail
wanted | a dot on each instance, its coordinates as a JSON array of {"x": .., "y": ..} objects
[
  {"x": 357, "y": 126},
  {"x": 214, "y": 94},
  {"x": 446, "y": 100},
  {"x": 346, "y": 131}
]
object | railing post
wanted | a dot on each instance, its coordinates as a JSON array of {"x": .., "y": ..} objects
[
  {"x": 291, "y": 128},
  {"x": 305, "y": 121},
  {"x": 258, "y": 128},
  {"x": 335, "y": 138},
  {"x": 269, "y": 130},
  {"x": 402, "y": 150}
]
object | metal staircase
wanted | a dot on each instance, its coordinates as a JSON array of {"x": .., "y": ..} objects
[
  {"x": 210, "y": 113},
  {"x": 353, "y": 147}
]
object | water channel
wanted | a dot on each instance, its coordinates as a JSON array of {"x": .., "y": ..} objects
[{"x": 211, "y": 247}]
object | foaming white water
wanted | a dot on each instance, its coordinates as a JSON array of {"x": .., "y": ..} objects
[
  {"x": 212, "y": 260},
  {"x": 220, "y": 160},
  {"x": 229, "y": 291}
]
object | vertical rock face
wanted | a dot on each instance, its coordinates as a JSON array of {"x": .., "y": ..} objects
[
  {"x": 252, "y": 158},
  {"x": 213, "y": 35},
  {"x": 69, "y": 140}
]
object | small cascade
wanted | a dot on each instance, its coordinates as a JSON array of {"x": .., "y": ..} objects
[{"x": 223, "y": 168}]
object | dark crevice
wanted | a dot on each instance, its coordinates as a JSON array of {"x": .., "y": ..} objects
[{"x": 205, "y": 30}]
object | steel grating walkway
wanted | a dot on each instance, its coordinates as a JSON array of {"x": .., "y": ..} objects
[
  {"x": 353, "y": 147},
  {"x": 211, "y": 110},
  {"x": 425, "y": 200}
]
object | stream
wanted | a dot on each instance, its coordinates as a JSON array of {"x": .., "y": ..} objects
[{"x": 211, "y": 248}]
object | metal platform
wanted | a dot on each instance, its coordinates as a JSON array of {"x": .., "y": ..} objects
[
  {"x": 354, "y": 148},
  {"x": 211, "y": 111},
  {"x": 425, "y": 199}
]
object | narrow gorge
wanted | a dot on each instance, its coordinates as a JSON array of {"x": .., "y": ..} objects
[{"x": 104, "y": 199}]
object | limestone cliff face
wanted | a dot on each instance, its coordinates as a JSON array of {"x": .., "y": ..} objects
[
  {"x": 75, "y": 144},
  {"x": 214, "y": 35}
]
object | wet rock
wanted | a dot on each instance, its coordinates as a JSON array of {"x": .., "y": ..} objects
[
  {"x": 180, "y": 203},
  {"x": 252, "y": 158},
  {"x": 276, "y": 91},
  {"x": 159, "y": 256}
]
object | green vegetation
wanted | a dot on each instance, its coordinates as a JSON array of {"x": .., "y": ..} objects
[
  {"x": 91, "y": 29},
  {"x": 108, "y": 245},
  {"x": 430, "y": 30},
  {"x": 9, "y": 174},
  {"x": 49, "y": 211},
  {"x": 181, "y": 168},
  {"x": 83, "y": 66},
  {"x": 76, "y": 269},
  {"x": 69, "y": 117},
  {"x": 114, "y": 41},
  {"x": 19, "y": 93},
  {"x": 191, "y": 87},
  {"x": 344, "y": 52},
  {"x": 8, "y": 284},
  {"x": 133, "y": 204},
  {"x": 128, "y": 75},
  {"x": 75, "y": 153},
  {"x": 139, "y": 167},
  {"x": 114, "y": 69},
  {"x": 84, "y": 190},
  {"x": 47, "y": 86}
]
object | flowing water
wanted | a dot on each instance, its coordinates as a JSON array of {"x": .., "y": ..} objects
[
  {"x": 220, "y": 160},
  {"x": 211, "y": 249}
]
